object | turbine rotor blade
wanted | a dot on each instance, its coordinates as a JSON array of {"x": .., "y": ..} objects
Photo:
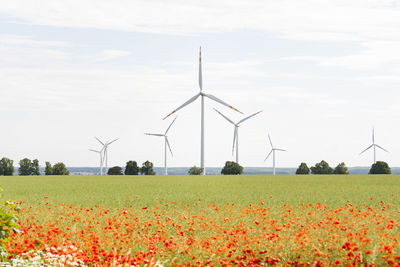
[
  {"x": 183, "y": 105},
  {"x": 234, "y": 139},
  {"x": 248, "y": 117},
  {"x": 170, "y": 125},
  {"x": 373, "y": 135},
  {"x": 154, "y": 134},
  {"x": 270, "y": 141},
  {"x": 109, "y": 143},
  {"x": 200, "y": 73},
  {"x": 221, "y": 102},
  {"x": 268, "y": 155},
  {"x": 279, "y": 149},
  {"x": 94, "y": 150},
  {"x": 170, "y": 150},
  {"x": 381, "y": 148},
  {"x": 366, "y": 149},
  {"x": 99, "y": 140},
  {"x": 226, "y": 118}
]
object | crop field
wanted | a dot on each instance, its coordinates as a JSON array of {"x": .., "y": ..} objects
[{"x": 209, "y": 220}]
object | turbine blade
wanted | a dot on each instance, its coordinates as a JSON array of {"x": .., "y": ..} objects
[
  {"x": 183, "y": 105},
  {"x": 270, "y": 141},
  {"x": 94, "y": 150},
  {"x": 200, "y": 73},
  {"x": 382, "y": 148},
  {"x": 170, "y": 150},
  {"x": 99, "y": 140},
  {"x": 373, "y": 135},
  {"x": 268, "y": 155},
  {"x": 248, "y": 117},
  {"x": 153, "y": 134},
  {"x": 366, "y": 149},
  {"x": 170, "y": 125},
  {"x": 234, "y": 139},
  {"x": 226, "y": 118},
  {"x": 109, "y": 143},
  {"x": 279, "y": 149},
  {"x": 221, "y": 102}
]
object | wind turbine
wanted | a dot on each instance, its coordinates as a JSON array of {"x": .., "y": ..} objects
[
  {"x": 101, "y": 159},
  {"x": 166, "y": 143},
  {"x": 273, "y": 149},
  {"x": 236, "y": 132},
  {"x": 202, "y": 95},
  {"x": 105, "y": 151},
  {"x": 374, "y": 146}
]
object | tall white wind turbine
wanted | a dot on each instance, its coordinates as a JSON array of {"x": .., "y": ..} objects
[
  {"x": 202, "y": 95},
  {"x": 101, "y": 159},
  {"x": 273, "y": 149},
  {"x": 166, "y": 143},
  {"x": 374, "y": 146},
  {"x": 236, "y": 132},
  {"x": 105, "y": 151}
]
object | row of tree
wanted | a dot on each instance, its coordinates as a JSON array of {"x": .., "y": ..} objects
[
  {"x": 379, "y": 167},
  {"x": 31, "y": 167},
  {"x": 132, "y": 168}
]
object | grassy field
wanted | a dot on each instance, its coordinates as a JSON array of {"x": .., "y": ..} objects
[{"x": 210, "y": 220}]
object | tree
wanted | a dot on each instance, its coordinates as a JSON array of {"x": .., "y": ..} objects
[
  {"x": 341, "y": 169},
  {"x": 49, "y": 169},
  {"x": 35, "y": 167},
  {"x": 60, "y": 169},
  {"x": 195, "y": 171},
  {"x": 321, "y": 168},
  {"x": 6, "y": 167},
  {"x": 232, "y": 167},
  {"x": 25, "y": 166},
  {"x": 147, "y": 168},
  {"x": 303, "y": 169},
  {"x": 380, "y": 167},
  {"x": 131, "y": 168},
  {"x": 116, "y": 170}
]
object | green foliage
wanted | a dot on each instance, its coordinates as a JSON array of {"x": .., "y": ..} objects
[
  {"x": 28, "y": 167},
  {"x": 116, "y": 170},
  {"x": 303, "y": 169},
  {"x": 60, "y": 169},
  {"x": 341, "y": 169},
  {"x": 321, "y": 168},
  {"x": 6, "y": 167},
  {"x": 380, "y": 167},
  {"x": 195, "y": 171},
  {"x": 231, "y": 167},
  {"x": 49, "y": 169},
  {"x": 8, "y": 224},
  {"x": 131, "y": 168},
  {"x": 147, "y": 168}
]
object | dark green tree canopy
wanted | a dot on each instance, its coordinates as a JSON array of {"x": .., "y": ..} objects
[
  {"x": 116, "y": 170},
  {"x": 231, "y": 167},
  {"x": 321, "y": 168},
  {"x": 303, "y": 169},
  {"x": 28, "y": 167},
  {"x": 380, "y": 167},
  {"x": 147, "y": 168},
  {"x": 60, "y": 169},
  {"x": 131, "y": 168},
  {"x": 49, "y": 169},
  {"x": 6, "y": 167},
  {"x": 195, "y": 171},
  {"x": 341, "y": 169}
]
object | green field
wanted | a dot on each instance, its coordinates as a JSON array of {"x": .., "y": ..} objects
[{"x": 139, "y": 191}]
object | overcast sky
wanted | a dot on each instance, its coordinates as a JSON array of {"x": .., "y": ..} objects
[{"x": 323, "y": 73}]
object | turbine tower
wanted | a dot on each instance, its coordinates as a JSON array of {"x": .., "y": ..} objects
[
  {"x": 166, "y": 143},
  {"x": 202, "y": 94},
  {"x": 374, "y": 146},
  {"x": 104, "y": 155},
  {"x": 236, "y": 132},
  {"x": 273, "y": 149},
  {"x": 101, "y": 159}
]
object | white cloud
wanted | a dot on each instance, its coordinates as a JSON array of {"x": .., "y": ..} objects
[{"x": 110, "y": 54}]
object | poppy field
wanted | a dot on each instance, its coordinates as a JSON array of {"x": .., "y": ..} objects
[{"x": 243, "y": 220}]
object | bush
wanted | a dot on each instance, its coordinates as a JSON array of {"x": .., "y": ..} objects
[
  {"x": 131, "y": 168},
  {"x": 303, "y": 169},
  {"x": 380, "y": 167},
  {"x": 321, "y": 168},
  {"x": 116, "y": 170},
  {"x": 195, "y": 171},
  {"x": 59, "y": 169},
  {"x": 147, "y": 168},
  {"x": 231, "y": 167},
  {"x": 6, "y": 167},
  {"x": 341, "y": 169}
]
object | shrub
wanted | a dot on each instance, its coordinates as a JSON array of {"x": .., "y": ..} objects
[
  {"x": 321, "y": 168},
  {"x": 380, "y": 167},
  {"x": 231, "y": 167},
  {"x": 303, "y": 169},
  {"x": 341, "y": 169},
  {"x": 195, "y": 171},
  {"x": 131, "y": 168},
  {"x": 59, "y": 169},
  {"x": 116, "y": 170}
]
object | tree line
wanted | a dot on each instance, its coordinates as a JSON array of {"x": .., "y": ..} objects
[
  {"x": 379, "y": 167},
  {"x": 30, "y": 167}
]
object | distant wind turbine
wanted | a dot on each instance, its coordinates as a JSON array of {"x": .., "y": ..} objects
[
  {"x": 202, "y": 111},
  {"x": 105, "y": 152},
  {"x": 101, "y": 159},
  {"x": 374, "y": 146},
  {"x": 166, "y": 143},
  {"x": 273, "y": 149},
  {"x": 236, "y": 132}
]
